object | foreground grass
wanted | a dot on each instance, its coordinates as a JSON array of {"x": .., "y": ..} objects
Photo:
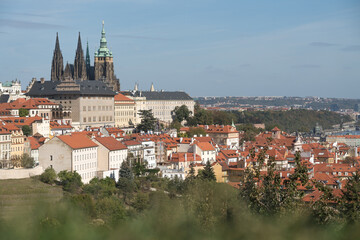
[{"x": 19, "y": 195}]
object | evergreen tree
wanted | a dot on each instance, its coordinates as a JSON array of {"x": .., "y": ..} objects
[
  {"x": 125, "y": 171},
  {"x": 350, "y": 200},
  {"x": 207, "y": 173},
  {"x": 148, "y": 122}
]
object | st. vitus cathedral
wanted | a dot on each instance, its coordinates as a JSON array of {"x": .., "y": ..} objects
[{"x": 103, "y": 69}]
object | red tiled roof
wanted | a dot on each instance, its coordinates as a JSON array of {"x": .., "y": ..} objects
[
  {"x": 21, "y": 121},
  {"x": 131, "y": 143},
  {"x": 34, "y": 144},
  {"x": 123, "y": 98},
  {"x": 205, "y": 146},
  {"x": 77, "y": 141},
  {"x": 111, "y": 143}
]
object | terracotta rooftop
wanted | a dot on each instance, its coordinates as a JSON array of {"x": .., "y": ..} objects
[
  {"x": 77, "y": 141},
  {"x": 111, "y": 143}
]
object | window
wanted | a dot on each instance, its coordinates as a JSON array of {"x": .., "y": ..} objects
[
  {"x": 51, "y": 158},
  {"x": 84, "y": 108},
  {"x": 84, "y": 120}
]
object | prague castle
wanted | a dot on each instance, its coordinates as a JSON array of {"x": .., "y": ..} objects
[
  {"x": 103, "y": 69},
  {"x": 84, "y": 92}
]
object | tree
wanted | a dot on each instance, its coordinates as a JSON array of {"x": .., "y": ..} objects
[
  {"x": 201, "y": 116},
  {"x": 196, "y": 131},
  {"x": 71, "y": 181},
  {"x": 148, "y": 122},
  {"x": 27, "y": 161},
  {"x": 207, "y": 173},
  {"x": 125, "y": 171},
  {"x": 100, "y": 188},
  {"x": 181, "y": 113},
  {"x": 191, "y": 176},
  {"x": 350, "y": 200},
  {"x": 26, "y": 130},
  {"x": 177, "y": 125},
  {"x": 23, "y": 112},
  {"x": 126, "y": 180},
  {"x": 139, "y": 168},
  {"x": 48, "y": 176}
]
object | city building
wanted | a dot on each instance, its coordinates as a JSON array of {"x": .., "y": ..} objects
[
  {"x": 83, "y": 102},
  {"x": 111, "y": 153},
  {"x": 162, "y": 103},
  {"x": 124, "y": 111}
]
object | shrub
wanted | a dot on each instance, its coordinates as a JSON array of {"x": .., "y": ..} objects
[{"x": 48, "y": 176}]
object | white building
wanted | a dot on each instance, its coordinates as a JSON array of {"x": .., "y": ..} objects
[
  {"x": 5, "y": 147},
  {"x": 72, "y": 153},
  {"x": 149, "y": 153},
  {"x": 162, "y": 103},
  {"x": 111, "y": 153}
]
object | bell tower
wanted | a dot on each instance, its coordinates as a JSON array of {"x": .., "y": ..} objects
[{"x": 103, "y": 64}]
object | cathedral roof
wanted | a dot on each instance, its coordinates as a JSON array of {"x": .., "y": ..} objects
[{"x": 86, "y": 87}]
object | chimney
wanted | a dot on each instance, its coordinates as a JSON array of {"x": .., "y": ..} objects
[{"x": 42, "y": 80}]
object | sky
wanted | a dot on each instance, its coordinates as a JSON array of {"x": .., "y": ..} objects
[{"x": 203, "y": 47}]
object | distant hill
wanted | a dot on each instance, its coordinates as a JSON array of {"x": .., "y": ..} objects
[{"x": 292, "y": 120}]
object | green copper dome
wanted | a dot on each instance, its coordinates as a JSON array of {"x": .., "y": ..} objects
[{"x": 103, "y": 51}]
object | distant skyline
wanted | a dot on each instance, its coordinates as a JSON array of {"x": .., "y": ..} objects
[{"x": 203, "y": 47}]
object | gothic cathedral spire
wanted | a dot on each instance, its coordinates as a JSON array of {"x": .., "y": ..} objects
[
  {"x": 57, "y": 64},
  {"x": 79, "y": 63},
  {"x": 87, "y": 62}
]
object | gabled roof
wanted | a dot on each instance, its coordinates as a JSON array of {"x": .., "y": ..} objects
[
  {"x": 34, "y": 144},
  {"x": 111, "y": 143},
  {"x": 77, "y": 141},
  {"x": 205, "y": 146},
  {"x": 21, "y": 121},
  {"x": 131, "y": 143}
]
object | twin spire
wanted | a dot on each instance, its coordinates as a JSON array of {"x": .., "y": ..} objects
[{"x": 81, "y": 68}]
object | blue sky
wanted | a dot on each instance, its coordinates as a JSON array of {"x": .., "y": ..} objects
[{"x": 204, "y": 47}]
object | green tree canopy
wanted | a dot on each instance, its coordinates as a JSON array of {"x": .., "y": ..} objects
[
  {"x": 181, "y": 113},
  {"x": 148, "y": 122},
  {"x": 71, "y": 181},
  {"x": 26, "y": 130},
  {"x": 27, "y": 161},
  {"x": 48, "y": 176},
  {"x": 23, "y": 112}
]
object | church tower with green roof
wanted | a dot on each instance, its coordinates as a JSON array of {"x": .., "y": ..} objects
[{"x": 103, "y": 64}]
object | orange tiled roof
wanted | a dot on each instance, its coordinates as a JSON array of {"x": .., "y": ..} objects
[
  {"x": 122, "y": 98},
  {"x": 111, "y": 143},
  {"x": 34, "y": 144},
  {"x": 77, "y": 141},
  {"x": 205, "y": 146}
]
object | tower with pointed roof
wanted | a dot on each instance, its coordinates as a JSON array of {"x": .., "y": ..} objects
[
  {"x": 79, "y": 63},
  {"x": 89, "y": 69},
  {"x": 103, "y": 64},
  {"x": 57, "y": 64}
]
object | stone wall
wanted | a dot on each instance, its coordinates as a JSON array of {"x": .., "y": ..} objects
[{"x": 20, "y": 173}]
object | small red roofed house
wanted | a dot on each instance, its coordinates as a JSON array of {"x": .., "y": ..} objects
[
  {"x": 223, "y": 134},
  {"x": 205, "y": 150}
]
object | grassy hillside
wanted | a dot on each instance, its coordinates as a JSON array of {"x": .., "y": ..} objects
[{"x": 19, "y": 195}]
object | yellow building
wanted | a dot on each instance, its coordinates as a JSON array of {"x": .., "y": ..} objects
[{"x": 219, "y": 174}]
